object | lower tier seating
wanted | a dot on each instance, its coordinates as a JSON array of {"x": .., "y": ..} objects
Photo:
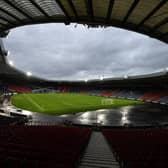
[
  {"x": 19, "y": 89},
  {"x": 42, "y": 146},
  {"x": 139, "y": 148}
]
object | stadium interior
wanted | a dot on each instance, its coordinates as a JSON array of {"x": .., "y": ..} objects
[{"x": 133, "y": 136}]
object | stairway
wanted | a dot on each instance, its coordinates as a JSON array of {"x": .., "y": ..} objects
[{"x": 98, "y": 153}]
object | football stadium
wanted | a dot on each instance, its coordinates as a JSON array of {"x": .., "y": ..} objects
[{"x": 116, "y": 122}]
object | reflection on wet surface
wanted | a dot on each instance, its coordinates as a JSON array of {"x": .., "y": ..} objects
[{"x": 149, "y": 114}]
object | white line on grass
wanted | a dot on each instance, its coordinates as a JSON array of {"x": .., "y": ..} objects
[
  {"x": 34, "y": 103},
  {"x": 68, "y": 104}
]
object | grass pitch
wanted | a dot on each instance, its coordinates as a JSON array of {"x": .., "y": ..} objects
[{"x": 58, "y": 104}]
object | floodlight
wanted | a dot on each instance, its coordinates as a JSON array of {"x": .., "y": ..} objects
[
  {"x": 101, "y": 78},
  {"x": 28, "y": 73},
  {"x": 125, "y": 76},
  {"x": 11, "y": 63}
]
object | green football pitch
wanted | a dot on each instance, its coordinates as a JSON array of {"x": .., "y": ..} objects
[{"x": 64, "y": 103}]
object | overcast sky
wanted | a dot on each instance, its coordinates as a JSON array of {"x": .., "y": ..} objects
[{"x": 60, "y": 52}]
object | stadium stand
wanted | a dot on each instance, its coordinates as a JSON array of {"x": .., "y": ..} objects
[
  {"x": 148, "y": 95},
  {"x": 115, "y": 92},
  {"x": 64, "y": 89},
  {"x": 94, "y": 92},
  {"x": 42, "y": 146},
  {"x": 106, "y": 93},
  {"x": 135, "y": 94},
  {"x": 139, "y": 148},
  {"x": 19, "y": 89},
  {"x": 43, "y": 90},
  {"x": 155, "y": 96}
]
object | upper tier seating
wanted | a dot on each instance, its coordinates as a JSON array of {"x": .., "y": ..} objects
[
  {"x": 42, "y": 146},
  {"x": 140, "y": 148}
]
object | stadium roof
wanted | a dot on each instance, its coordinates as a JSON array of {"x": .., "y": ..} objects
[
  {"x": 148, "y": 17},
  {"x": 10, "y": 75}
]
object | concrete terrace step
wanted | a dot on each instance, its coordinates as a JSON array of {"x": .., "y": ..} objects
[
  {"x": 99, "y": 158},
  {"x": 94, "y": 165},
  {"x": 105, "y": 162},
  {"x": 102, "y": 159},
  {"x": 98, "y": 153}
]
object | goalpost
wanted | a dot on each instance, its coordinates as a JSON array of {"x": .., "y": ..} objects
[{"x": 107, "y": 101}]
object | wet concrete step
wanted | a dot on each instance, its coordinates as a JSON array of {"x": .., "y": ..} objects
[{"x": 98, "y": 153}]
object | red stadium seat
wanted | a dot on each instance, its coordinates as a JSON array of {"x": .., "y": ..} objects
[{"x": 42, "y": 146}]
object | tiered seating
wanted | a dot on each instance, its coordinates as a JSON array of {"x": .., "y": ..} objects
[
  {"x": 135, "y": 94},
  {"x": 123, "y": 94},
  {"x": 153, "y": 95},
  {"x": 115, "y": 93},
  {"x": 106, "y": 93},
  {"x": 147, "y": 95},
  {"x": 139, "y": 148},
  {"x": 83, "y": 91},
  {"x": 42, "y": 146},
  {"x": 19, "y": 89},
  {"x": 158, "y": 96},
  {"x": 94, "y": 92},
  {"x": 64, "y": 89}
]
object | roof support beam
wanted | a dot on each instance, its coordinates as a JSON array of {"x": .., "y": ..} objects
[
  {"x": 73, "y": 8},
  {"x": 109, "y": 12},
  {"x": 152, "y": 13},
  {"x": 162, "y": 22},
  {"x": 2, "y": 24},
  {"x": 63, "y": 9},
  {"x": 6, "y": 20},
  {"x": 19, "y": 10},
  {"x": 131, "y": 9},
  {"x": 39, "y": 8},
  {"x": 89, "y": 6},
  {"x": 10, "y": 14}
]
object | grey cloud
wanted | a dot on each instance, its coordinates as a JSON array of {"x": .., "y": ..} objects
[{"x": 63, "y": 52}]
